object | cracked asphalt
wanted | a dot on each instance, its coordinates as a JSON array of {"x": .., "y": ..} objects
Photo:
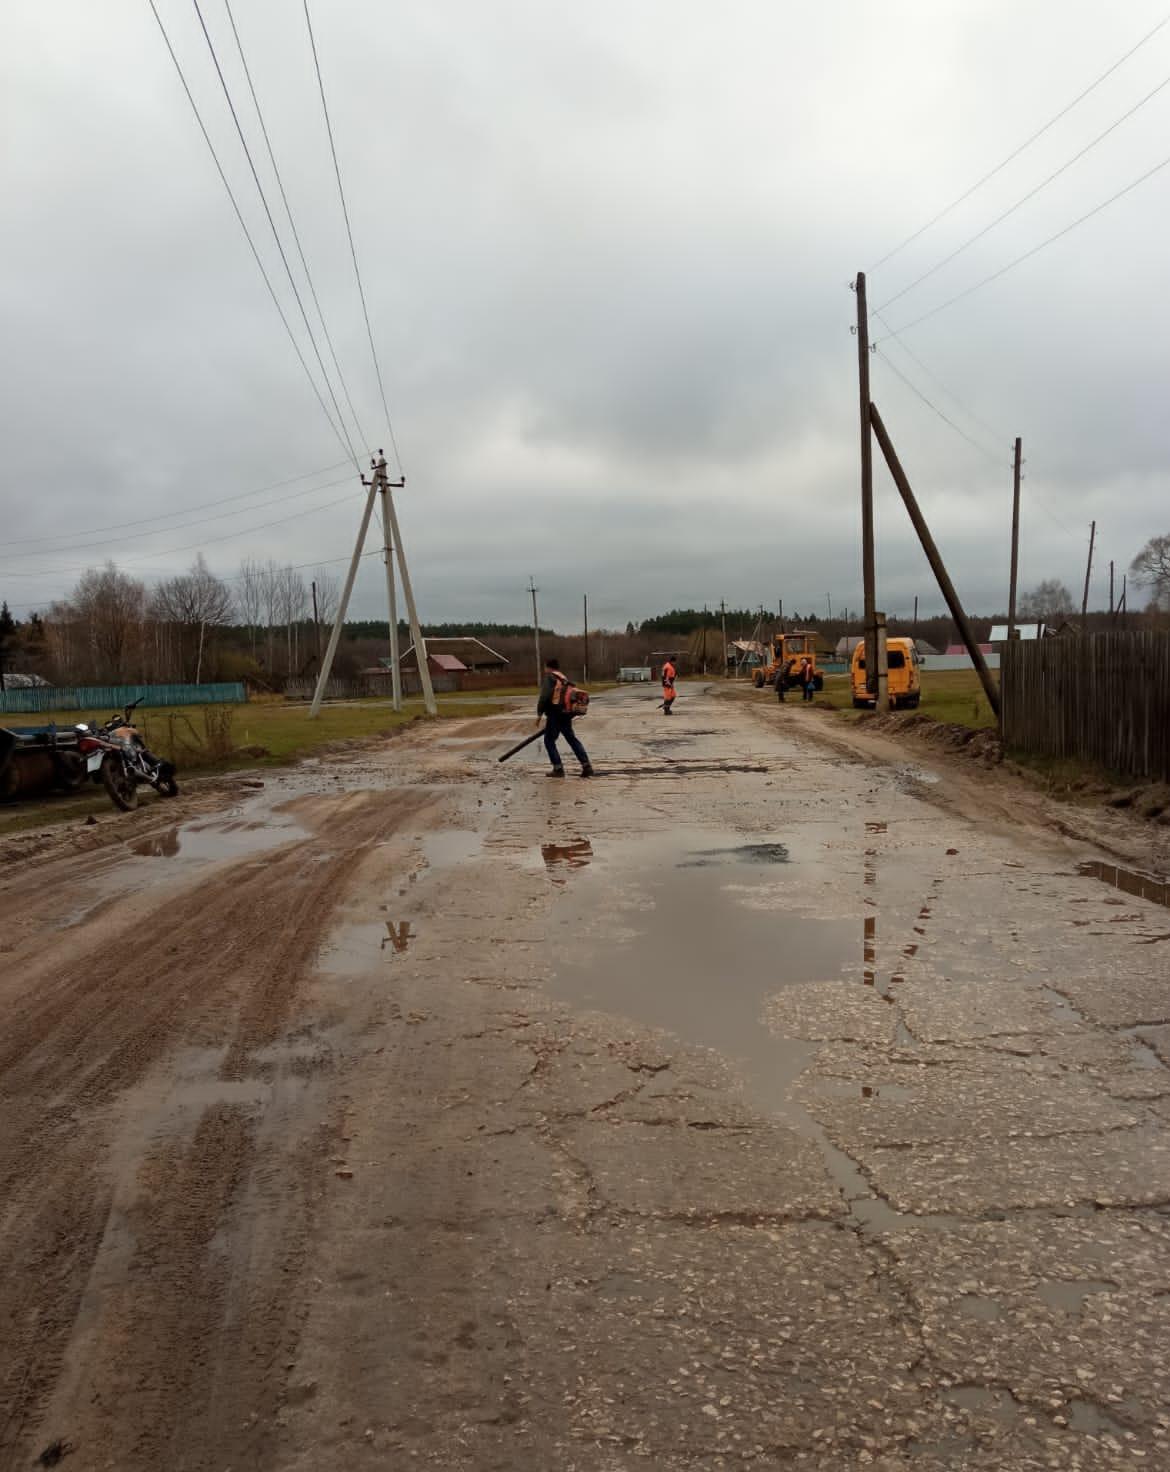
[{"x": 749, "y": 1105}]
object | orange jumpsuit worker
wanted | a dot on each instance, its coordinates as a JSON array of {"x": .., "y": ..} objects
[{"x": 669, "y": 674}]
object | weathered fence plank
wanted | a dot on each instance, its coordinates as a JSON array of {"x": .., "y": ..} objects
[{"x": 1104, "y": 698}]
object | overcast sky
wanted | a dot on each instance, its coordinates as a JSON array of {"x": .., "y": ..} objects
[{"x": 607, "y": 250}]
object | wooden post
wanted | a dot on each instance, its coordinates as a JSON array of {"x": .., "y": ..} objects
[
  {"x": 723, "y": 617},
  {"x": 585, "y": 658},
  {"x": 935, "y": 559},
  {"x": 868, "y": 577},
  {"x": 1011, "y": 631},
  {"x": 882, "y": 700},
  {"x": 1112, "y": 609},
  {"x": 1088, "y": 574}
]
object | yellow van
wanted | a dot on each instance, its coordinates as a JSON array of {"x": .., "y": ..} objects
[{"x": 905, "y": 677}]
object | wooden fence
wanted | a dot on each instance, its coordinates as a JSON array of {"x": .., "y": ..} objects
[
  {"x": 1104, "y": 698},
  {"x": 102, "y": 699}
]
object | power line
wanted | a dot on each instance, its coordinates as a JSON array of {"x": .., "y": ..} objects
[
  {"x": 183, "y": 525},
  {"x": 938, "y": 383},
  {"x": 930, "y": 404},
  {"x": 1036, "y": 249},
  {"x": 190, "y": 546},
  {"x": 1015, "y": 153},
  {"x": 1031, "y": 194},
  {"x": 276, "y": 234},
  {"x": 166, "y": 515},
  {"x": 293, "y": 227},
  {"x": 248, "y": 234},
  {"x": 349, "y": 232}
]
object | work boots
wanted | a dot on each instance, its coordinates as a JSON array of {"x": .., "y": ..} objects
[{"x": 557, "y": 772}]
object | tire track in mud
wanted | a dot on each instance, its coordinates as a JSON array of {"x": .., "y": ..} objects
[{"x": 93, "y": 1180}]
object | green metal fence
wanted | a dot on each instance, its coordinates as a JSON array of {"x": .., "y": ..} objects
[{"x": 32, "y": 700}]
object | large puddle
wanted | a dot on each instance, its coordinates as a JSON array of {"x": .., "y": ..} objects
[
  {"x": 221, "y": 838},
  {"x": 1129, "y": 881},
  {"x": 706, "y": 928}
]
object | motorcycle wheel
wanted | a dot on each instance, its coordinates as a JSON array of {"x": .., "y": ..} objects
[
  {"x": 168, "y": 787},
  {"x": 71, "y": 772},
  {"x": 119, "y": 784}
]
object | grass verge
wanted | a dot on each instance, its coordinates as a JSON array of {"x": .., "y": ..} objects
[{"x": 953, "y": 696}]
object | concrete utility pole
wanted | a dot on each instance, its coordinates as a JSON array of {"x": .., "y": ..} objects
[
  {"x": 378, "y": 485},
  {"x": 1088, "y": 573},
  {"x": 533, "y": 589},
  {"x": 392, "y": 600},
  {"x": 1015, "y": 542},
  {"x": 585, "y": 661},
  {"x": 416, "y": 634},
  {"x": 868, "y": 576},
  {"x": 882, "y": 700},
  {"x": 316, "y": 625}
]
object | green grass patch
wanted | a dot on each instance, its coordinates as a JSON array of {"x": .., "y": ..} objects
[{"x": 954, "y": 696}]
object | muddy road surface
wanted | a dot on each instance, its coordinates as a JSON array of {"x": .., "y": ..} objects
[{"x": 746, "y": 1106}]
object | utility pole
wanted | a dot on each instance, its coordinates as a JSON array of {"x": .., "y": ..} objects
[
  {"x": 392, "y": 601},
  {"x": 378, "y": 485},
  {"x": 316, "y": 624},
  {"x": 914, "y": 634},
  {"x": 585, "y": 661},
  {"x": 706, "y": 617},
  {"x": 723, "y": 618},
  {"x": 1088, "y": 572},
  {"x": 1112, "y": 610},
  {"x": 782, "y": 615},
  {"x": 1015, "y": 542},
  {"x": 829, "y": 601},
  {"x": 533, "y": 589},
  {"x": 868, "y": 576}
]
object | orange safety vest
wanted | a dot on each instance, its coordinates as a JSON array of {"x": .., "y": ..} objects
[{"x": 668, "y": 674}]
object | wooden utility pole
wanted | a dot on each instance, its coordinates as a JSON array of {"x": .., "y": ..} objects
[
  {"x": 533, "y": 589},
  {"x": 934, "y": 557},
  {"x": 881, "y": 702},
  {"x": 868, "y": 576},
  {"x": 1088, "y": 573},
  {"x": 723, "y": 619},
  {"x": 914, "y": 632},
  {"x": 706, "y": 618},
  {"x": 829, "y": 601},
  {"x": 1112, "y": 610},
  {"x": 1015, "y": 542},
  {"x": 585, "y": 660}
]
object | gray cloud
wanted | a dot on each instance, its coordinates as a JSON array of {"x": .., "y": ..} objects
[{"x": 607, "y": 250}]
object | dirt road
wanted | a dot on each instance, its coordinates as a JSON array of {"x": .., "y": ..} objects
[{"x": 750, "y": 1105}]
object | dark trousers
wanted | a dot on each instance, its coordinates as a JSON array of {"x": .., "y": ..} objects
[
  {"x": 557, "y": 725},
  {"x": 809, "y": 690}
]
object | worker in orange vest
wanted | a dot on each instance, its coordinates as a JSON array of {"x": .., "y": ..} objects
[{"x": 669, "y": 674}]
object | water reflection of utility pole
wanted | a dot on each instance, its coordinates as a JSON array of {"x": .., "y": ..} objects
[{"x": 399, "y": 935}]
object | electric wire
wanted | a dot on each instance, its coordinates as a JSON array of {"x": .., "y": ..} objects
[
  {"x": 162, "y": 531},
  {"x": 930, "y": 404},
  {"x": 182, "y": 511},
  {"x": 191, "y": 546},
  {"x": 295, "y": 232},
  {"x": 276, "y": 234},
  {"x": 247, "y": 233},
  {"x": 1031, "y": 194},
  {"x": 349, "y": 232},
  {"x": 1015, "y": 153},
  {"x": 1035, "y": 250},
  {"x": 938, "y": 383}
]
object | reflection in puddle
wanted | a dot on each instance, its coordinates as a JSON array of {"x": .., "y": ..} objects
[
  {"x": 744, "y": 853},
  {"x": 559, "y": 856},
  {"x": 869, "y": 949},
  {"x": 1157, "y": 891},
  {"x": 231, "y": 838},
  {"x": 399, "y": 936}
]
